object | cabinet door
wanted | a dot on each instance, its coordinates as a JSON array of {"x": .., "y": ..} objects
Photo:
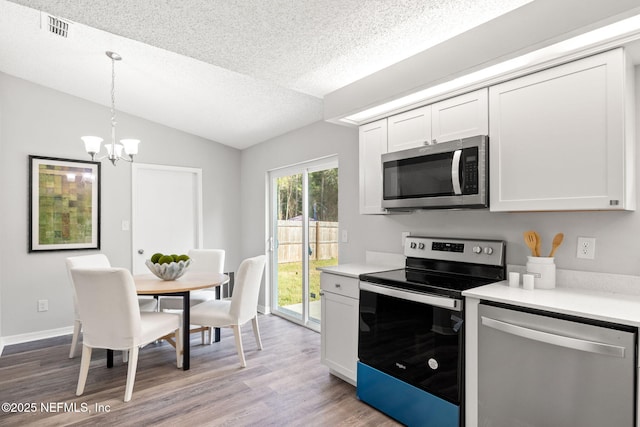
[
  {"x": 373, "y": 143},
  {"x": 339, "y": 334},
  {"x": 558, "y": 141},
  {"x": 409, "y": 129},
  {"x": 460, "y": 117}
]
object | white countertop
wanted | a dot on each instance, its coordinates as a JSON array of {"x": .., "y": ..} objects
[
  {"x": 355, "y": 270},
  {"x": 608, "y": 306}
]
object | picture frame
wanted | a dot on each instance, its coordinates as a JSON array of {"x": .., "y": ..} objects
[{"x": 64, "y": 204}]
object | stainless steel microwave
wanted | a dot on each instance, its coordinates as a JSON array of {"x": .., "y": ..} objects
[{"x": 452, "y": 174}]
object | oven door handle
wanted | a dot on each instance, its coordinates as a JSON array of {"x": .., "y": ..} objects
[{"x": 449, "y": 303}]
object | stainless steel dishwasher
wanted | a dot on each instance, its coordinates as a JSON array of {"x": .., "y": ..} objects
[{"x": 543, "y": 371}]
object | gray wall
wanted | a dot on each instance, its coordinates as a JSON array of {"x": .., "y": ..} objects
[
  {"x": 617, "y": 248},
  {"x": 40, "y": 121}
]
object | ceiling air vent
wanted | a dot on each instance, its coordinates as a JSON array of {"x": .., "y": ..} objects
[{"x": 58, "y": 26}]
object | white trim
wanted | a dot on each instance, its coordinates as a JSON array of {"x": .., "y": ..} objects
[
  {"x": 199, "y": 209},
  {"x": 34, "y": 336}
]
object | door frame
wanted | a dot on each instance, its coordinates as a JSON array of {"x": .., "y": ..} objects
[
  {"x": 197, "y": 172},
  {"x": 304, "y": 168}
]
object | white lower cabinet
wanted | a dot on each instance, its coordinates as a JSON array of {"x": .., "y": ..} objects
[{"x": 339, "y": 325}]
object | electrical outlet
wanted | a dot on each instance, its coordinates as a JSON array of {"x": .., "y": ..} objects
[
  {"x": 586, "y": 247},
  {"x": 43, "y": 305}
]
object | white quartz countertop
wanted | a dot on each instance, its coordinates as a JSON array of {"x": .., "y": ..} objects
[
  {"x": 355, "y": 270},
  {"x": 600, "y": 305}
]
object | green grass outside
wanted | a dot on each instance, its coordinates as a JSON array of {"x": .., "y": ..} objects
[{"x": 290, "y": 281}]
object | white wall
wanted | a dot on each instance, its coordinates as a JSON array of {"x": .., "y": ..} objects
[
  {"x": 40, "y": 121},
  {"x": 311, "y": 142}
]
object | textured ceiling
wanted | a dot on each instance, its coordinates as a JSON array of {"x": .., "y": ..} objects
[{"x": 235, "y": 72}]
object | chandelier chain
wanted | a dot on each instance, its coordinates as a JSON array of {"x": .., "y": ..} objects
[{"x": 113, "y": 92}]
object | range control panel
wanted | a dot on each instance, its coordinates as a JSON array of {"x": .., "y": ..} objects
[{"x": 490, "y": 252}]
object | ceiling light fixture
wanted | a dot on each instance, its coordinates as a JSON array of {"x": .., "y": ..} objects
[{"x": 114, "y": 151}]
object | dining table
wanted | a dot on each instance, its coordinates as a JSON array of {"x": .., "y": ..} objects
[{"x": 149, "y": 284}]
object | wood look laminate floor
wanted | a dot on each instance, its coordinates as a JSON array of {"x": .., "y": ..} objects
[{"x": 283, "y": 385}]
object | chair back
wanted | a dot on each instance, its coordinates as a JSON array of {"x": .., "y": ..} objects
[
  {"x": 108, "y": 307},
  {"x": 244, "y": 300},
  {"x": 206, "y": 260},
  {"x": 84, "y": 261}
]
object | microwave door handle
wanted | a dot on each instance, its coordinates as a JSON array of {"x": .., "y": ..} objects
[{"x": 455, "y": 172}]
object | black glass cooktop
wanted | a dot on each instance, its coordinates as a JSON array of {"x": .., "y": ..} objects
[{"x": 447, "y": 284}]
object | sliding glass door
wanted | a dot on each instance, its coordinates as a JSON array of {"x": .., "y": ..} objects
[{"x": 304, "y": 235}]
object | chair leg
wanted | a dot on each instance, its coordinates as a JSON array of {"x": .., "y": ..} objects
[
  {"x": 211, "y": 332},
  {"x": 178, "y": 340},
  {"x": 256, "y": 332},
  {"x": 131, "y": 373},
  {"x": 203, "y": 337},
  {"x": 125, "y": 356},
  {"x": 84, "y": 369},
  {"x": 238, "y": 334},
  {"x": 77, "y": 326}
]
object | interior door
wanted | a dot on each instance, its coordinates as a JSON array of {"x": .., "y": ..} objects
[{"x": 166, "y": 211}]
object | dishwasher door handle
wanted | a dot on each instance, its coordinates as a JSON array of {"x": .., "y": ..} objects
[{"x": 554, "y": 339}]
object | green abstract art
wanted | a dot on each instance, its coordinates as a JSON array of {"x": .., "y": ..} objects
[{"x": 65, "y": 204}]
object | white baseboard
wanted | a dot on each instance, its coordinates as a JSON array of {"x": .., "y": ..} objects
[
  {"x": 33, "y": 336},
  {"x": 264, "y": 309}
]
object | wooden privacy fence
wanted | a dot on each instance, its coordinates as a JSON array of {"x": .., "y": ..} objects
[{"x": 323, "y": 240}]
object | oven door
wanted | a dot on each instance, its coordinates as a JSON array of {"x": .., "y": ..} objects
[
  {"x": 414, "y": 337},
  {"x": 449, "y": 174}
]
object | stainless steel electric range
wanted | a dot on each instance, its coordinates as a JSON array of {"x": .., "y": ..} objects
[{"x": 411, "y": 333}]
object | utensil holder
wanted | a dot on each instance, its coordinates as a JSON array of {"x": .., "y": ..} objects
[{"x": 545, "y": 268}]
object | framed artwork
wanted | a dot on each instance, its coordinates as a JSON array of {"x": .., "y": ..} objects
[{"x": 64, "y": 204}]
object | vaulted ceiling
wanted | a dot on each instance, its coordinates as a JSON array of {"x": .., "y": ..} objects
[{"x": 235, "y": 72}]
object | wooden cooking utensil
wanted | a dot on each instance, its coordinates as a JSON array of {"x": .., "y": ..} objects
[
  {"x": 538, "y": 243},
  {"x": 557, "y": 241},
  {"x": 531, "y": 241}
]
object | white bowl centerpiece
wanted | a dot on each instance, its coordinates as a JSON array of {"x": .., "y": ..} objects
[{"x": 168, "y": 267}]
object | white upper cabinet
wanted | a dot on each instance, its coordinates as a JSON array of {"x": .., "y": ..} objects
[
  {"x": 410, "y": 129},
  {"x": 460, "y": 117},
  {"x": 562, "y": 138},
  {"x": 454, "y": 118},
  {"x": 373, "y": 144}
]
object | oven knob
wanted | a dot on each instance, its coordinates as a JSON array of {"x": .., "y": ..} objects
[
  {"x": 477, "y": 250},
  {"x": 421, "y": 246},
  {"x": 488, "y": 250},
  {"x": 413, "y": 245}
]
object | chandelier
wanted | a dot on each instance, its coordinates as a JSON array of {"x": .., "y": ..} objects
[{"x": 114, "y": 150}]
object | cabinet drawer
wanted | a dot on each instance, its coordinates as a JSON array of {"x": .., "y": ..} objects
[{"x": 342, "y": 285}]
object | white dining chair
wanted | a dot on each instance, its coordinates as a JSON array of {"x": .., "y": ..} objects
[
  {"x": 112, "y": 319},
  {"x": 202, "y": 260},
  {"x": 94, "y": 261},
  {"x": 242, "y": 307}
]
